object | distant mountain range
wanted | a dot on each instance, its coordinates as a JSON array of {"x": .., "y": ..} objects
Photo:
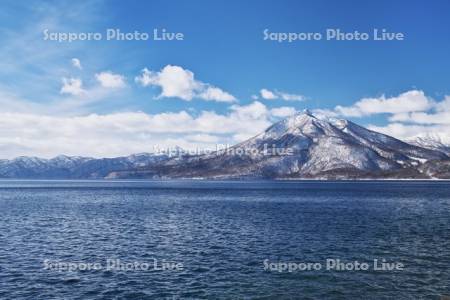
[
  {"x": 74, "y": 167},
  {"x": 435, "y": 141},
  {"x": 299, "y": 147}
]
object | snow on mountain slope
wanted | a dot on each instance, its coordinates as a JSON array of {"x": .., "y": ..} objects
[
  {"x": 435, "y": 141},
  {"x": 301, "y": 146},
  {"x": 62, "y": 167},
  {"x": 320, "y": 145},
  {"x": 315, "y": 147},
  {"x": 387, "y": 146}
]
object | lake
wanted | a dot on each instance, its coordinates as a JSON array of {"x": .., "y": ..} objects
[{"x": 224, "y": 240}]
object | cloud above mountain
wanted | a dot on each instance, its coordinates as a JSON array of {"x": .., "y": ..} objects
[
  {"x": 410, "y": 101},
  {"x": 123, "y": 133},
  {"x": 409, "y": 114},
  {"x": 273, "y": 95},
  {"x": 283, "y": 112},
  {"x": 177, "y": 82}
]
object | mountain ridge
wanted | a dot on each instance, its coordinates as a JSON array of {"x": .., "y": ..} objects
[
  {"x": 320, "y": 149},
  {"x": 435, "y": 141},
  {"x": 300, "y": 146},
  {"x": 72, "y": 167}
]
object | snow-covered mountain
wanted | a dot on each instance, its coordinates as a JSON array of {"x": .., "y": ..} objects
[
  {"x": 301, "y": 146},
  {"x": 304, "y": 146},
  {"x": 435, "y": 141},
  {"x": 64, "y": 167}
]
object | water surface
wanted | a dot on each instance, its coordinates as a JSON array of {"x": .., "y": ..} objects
[{"x": 222, "y": 232}]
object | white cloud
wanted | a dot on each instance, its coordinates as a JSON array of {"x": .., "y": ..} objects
[
  {"x": 272, "y": 95},
  {"x": 110, "y": 80},
  {"x": 283, "y": 112},
  {"x": 255, "y": 110},
  {"x": 325, "y": 113},
  {"x": 410, "y": 113},
  {"x": 216, "y": 94},
  {"x": 72, "y": 86},
  {"x": 202, "y": 138},
  {"x": 80, "y": 98},
  {"x": 439, "y": 114},
  {"x": 124, "y": 133},
  {"x": 422, "y": 118},
  {"x": 444, "y": 105},
  {"x": 268, "y": 95},
  {"x": 175, "y": 81},
  {"x": 410, "y": 131},
  {"x": 76, "y": 63},
  {"x": 411, "y": 101},
  {"x": 291, "y": 97}
]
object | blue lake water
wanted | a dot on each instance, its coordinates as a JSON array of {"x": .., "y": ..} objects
[{"x": 221, "y": 233}]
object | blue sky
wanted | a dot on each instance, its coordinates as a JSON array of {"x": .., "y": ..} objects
[{"x": 217, "y": 73}]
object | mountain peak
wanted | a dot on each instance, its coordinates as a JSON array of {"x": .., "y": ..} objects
[
  {"x": 303, "y": 123},
  {"x": 305, "y": 112},
  {"x": 300, "y": 118}
]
